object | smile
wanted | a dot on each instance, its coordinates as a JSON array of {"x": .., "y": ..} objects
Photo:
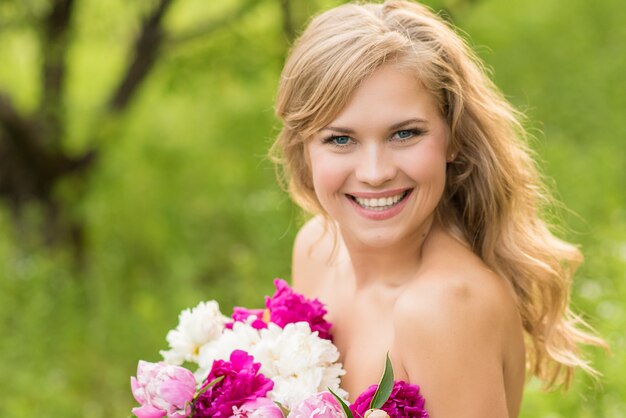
[{"x": 380, "y": 204}]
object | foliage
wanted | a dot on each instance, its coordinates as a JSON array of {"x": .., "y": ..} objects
[{"x": 183, "y": 205}]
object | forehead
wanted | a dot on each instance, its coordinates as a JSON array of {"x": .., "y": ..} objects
[{"x": 386, "y": 96}]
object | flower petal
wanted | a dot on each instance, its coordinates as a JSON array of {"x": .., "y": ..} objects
[
  {"x": 148, "y": 411},
  {"x": 176, "y": 393},
  {"x": 138, "y": 392}
]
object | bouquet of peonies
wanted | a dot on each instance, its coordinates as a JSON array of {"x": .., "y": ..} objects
[{"x": 275, "y": 362}]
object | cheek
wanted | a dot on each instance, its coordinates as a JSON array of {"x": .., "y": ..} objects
[
  {"x": 426, "y": 167},
  {"x": 328, "y": 174},
  {"x": 327, "y": 179}
]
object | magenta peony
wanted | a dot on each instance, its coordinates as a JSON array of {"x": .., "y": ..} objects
[
  {"x": 258, "y": 408},
  {"x": 286, "y": 307},
  {"x": 320, "y": 405},
  {"x": 162, "y": 389},
  {"x": 242, "y": 382},
  {"x": 405, "y": 401},
  {"x": 242, "y": 314}
]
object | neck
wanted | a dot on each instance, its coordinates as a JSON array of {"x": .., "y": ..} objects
[{"x": 391, "y": 265}]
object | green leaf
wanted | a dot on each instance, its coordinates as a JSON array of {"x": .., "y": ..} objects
[
  {"x": 385, "y": 386},
  {"x": 344, "y": 405},
  {"x": 212, "y": 383},
  {"x": 283, "y": 408}
]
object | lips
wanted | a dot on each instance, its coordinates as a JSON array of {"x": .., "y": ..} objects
[
  {"x": 380, "y": 206},
  {"x": 379, "y": 203}
]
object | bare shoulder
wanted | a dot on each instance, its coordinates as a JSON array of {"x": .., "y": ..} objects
[
  {"x": 470, "y": 298},
  {"x": 456, "y": 289},
  {"x": 457, "y": 327},
  {"x": 312, "y": 251}
]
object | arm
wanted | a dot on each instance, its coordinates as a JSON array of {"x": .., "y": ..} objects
[{"x": 450, "y": 336}]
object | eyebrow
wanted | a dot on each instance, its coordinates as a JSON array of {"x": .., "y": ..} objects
[{"x": 392, "y": 127}]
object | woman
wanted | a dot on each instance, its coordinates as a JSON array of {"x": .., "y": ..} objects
[{"x": 427, "y": 241}]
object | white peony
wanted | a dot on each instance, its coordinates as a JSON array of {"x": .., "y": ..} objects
[
  {"x": 196, "y": 328},
  {"x": 241, "y": 337},
  {"x": 298, "y": 361}
]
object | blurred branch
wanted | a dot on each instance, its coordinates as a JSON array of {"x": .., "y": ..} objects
[
  {"x": 146, "y": 51},
  {"x": 213, "y": 24},
  {"x": 29, "y": 172},
  {"x": 54, "y": 47},
  {"x": 150, "y": 41},
  {"x": 33, "y": 159},
  {"x": 23, "y": 137}
]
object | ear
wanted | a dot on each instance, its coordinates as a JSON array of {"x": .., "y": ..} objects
[
  {"x": 451, "y": 156},
  {"x": 453, "y": 148}
]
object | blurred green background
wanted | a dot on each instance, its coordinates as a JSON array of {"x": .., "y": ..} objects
[{"x": 182, "y": 205}]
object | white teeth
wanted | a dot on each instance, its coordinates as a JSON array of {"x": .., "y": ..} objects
[{"x": 380, "y": 203}]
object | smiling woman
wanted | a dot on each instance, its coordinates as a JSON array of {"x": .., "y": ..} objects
[
  {"x": 391, "y": 167},
  {"x": 427, "y": 241}
]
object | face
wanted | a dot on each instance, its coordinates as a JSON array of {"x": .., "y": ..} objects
[{"x": 379, "y": 167}]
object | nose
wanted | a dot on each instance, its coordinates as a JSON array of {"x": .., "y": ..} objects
[{"x": 375, "y": 166}]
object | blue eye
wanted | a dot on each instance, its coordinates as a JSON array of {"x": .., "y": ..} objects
[
  {"x": 405, "y": 134},
  {"x": 339, "y": 140}
]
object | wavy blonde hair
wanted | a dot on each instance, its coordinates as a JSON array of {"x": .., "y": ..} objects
[{"x": 494, "y": 196}]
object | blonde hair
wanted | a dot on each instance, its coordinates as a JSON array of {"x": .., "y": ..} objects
[{"x": 494, "y": 195}]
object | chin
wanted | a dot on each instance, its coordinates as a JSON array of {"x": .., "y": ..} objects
[{"x": 375, "y": 239}]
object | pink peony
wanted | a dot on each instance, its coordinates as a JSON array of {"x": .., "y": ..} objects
[
  {"x": 286, "y": 307},
  {"x": 242, "y": 382},
  {"x": 162, "y": 389},
  {"x": 258, "y": 408},
  {"x": 405, "y": 401},
  {"x": 320, "y": 405}
]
